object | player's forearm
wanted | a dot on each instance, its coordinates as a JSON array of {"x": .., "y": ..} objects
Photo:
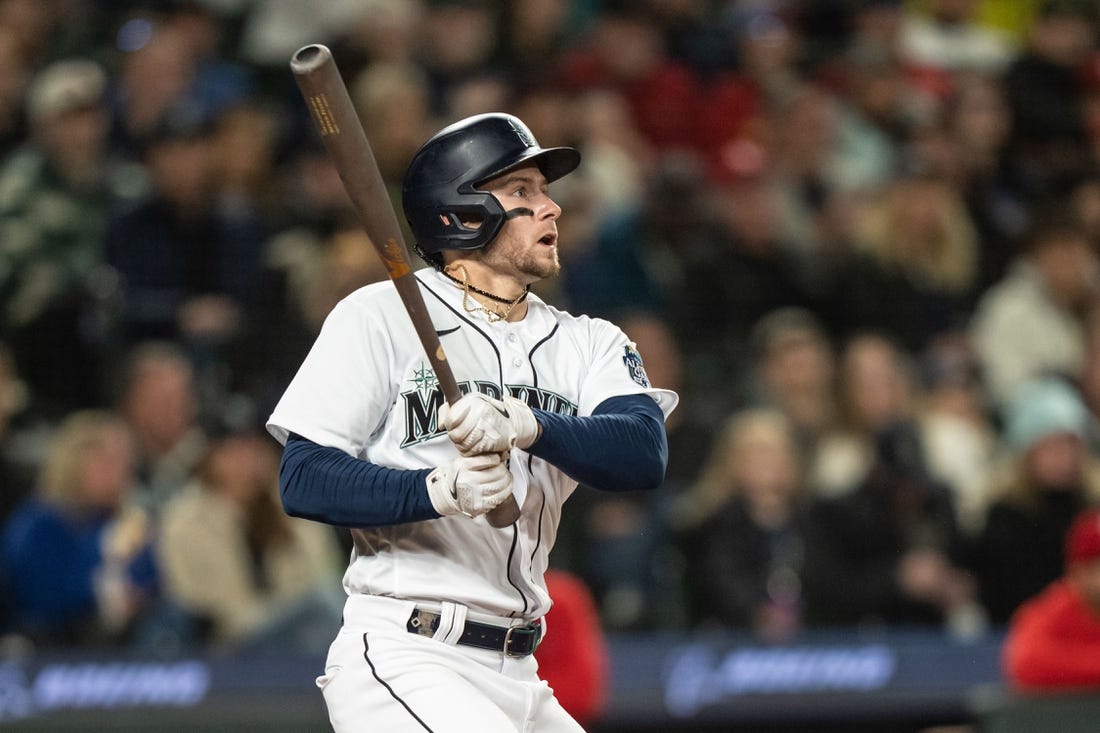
[
  {"x": 622, "y": 446},
  {"x": 327, "y": 485}
]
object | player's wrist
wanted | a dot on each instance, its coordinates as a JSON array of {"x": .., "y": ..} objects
[
  {"x": 525, "y": 426},
  {"x": 444, "y": 499},
  {"x": 470, "y": 485}
]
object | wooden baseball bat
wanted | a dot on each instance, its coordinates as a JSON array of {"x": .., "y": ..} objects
[{"x": 335, "y": 119}]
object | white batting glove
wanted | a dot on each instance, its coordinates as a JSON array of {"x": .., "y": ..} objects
[
  {"x": 479, "y": 424},
  {"x": 471, "y": 485}
]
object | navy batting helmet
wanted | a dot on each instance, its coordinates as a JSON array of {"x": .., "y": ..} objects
[{"x": 441, "y": 184}]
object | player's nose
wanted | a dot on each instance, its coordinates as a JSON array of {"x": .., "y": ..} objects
[{"x": 549, "y": 208}]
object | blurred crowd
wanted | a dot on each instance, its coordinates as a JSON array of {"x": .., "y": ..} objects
[{"x": 861, "y": 238}]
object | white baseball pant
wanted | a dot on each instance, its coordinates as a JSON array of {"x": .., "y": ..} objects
[{"x": 380, "y": 677}]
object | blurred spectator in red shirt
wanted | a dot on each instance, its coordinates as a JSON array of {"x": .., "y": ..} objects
[
  {"x": 572, "y": 657},
  {"x": 1054, "y": 639}
]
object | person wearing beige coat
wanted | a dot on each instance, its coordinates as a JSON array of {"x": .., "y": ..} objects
[{"x": 235, "y": 562}]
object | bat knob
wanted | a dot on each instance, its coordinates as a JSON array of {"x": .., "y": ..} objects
[
  {"x": 504, "y": 514},
  {"x": 309, "y": 58}
]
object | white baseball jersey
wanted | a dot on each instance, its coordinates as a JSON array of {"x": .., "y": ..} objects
[{"x": 367, "y": 388}]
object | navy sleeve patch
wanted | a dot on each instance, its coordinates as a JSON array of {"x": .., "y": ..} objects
[{"x": 633, "y": 361}]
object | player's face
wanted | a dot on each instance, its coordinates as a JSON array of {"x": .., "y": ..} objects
[{"x": 526, "y": 246}]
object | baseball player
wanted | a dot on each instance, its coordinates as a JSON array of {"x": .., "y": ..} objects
[{"x": 444, "y": 610}]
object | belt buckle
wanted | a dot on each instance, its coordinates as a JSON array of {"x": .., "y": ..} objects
[
  {"x": 423, "y": 623},
  {"x": 535, "y": 634}
]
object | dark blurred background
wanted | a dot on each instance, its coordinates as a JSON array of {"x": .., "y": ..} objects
[{"x": 861, "y": 238}]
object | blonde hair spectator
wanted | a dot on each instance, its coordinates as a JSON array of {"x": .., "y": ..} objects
[
  {"x": 755, "y": 445},
  {"x": 78, "y": 555},
  {"x": 77, "y": 470},
  {"x": 747, "y": 532},
  {"x": 920, "y": 227}
]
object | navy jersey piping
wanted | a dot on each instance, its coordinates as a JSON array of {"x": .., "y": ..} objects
[
  {"x": 542, "y": 511},
  {"x": 393, "y": 694},
  {"x": 531, "y": 353}
]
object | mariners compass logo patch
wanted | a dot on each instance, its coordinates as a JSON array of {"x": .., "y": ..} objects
[{"x": 633, "y": 361}]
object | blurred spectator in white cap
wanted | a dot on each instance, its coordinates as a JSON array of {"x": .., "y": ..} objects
[
  {"x": 54, "y": 195},
  {"x": 65, "y": 86},
  {"x": 1047, "y": 477}
]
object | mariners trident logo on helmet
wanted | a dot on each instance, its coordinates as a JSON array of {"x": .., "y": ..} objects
[{"x": 442, "y": 201}]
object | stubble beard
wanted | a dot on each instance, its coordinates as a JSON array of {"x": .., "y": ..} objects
[
  {"x": 540, "y": 267},
  {"x": 504, "y": 255}
]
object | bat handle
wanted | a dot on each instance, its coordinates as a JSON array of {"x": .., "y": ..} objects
[{"x": 507, "y": 512}]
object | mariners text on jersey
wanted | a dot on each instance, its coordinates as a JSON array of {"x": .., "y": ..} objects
[{"x": 421, "y": 404}]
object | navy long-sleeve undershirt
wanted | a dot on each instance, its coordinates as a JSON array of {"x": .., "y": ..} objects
[
  {"x": 620, "y": 447},
  {"x": 327, "y": 485}
]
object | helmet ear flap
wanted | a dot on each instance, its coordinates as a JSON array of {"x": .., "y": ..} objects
[{"x": 453, "y": 222}]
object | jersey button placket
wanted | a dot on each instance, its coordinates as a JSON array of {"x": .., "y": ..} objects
[{"x": 515, "y": 348}]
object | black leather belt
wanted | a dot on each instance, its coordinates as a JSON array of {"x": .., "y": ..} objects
[{"x": 514, "y": 641}]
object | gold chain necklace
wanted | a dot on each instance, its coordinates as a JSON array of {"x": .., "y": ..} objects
[{"x": 491, "y": 314}]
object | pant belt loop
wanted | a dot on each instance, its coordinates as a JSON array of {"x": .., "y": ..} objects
[{"x": 452, "y": 622}]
